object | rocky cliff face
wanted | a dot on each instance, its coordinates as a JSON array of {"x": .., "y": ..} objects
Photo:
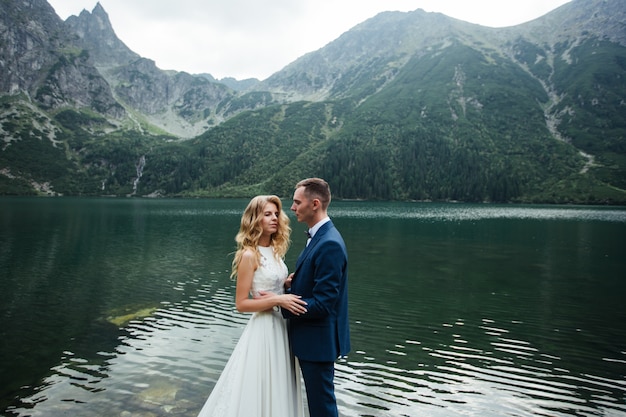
[
  {"x": 176, "y": 102},
  {"x": 31, "y": 33},
  {"x": 73, "y": 81},
  {"x": 40, "y": 58}
]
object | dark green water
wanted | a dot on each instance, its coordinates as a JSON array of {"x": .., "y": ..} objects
[{"x": 455, "y": 309}]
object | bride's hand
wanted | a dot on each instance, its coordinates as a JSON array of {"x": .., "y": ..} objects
[
  {"x": 292, "y": 303},
  {"x": 289, "y": 302}
]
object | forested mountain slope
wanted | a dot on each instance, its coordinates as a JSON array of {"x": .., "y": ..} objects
[{"x": 413, "y": 105}]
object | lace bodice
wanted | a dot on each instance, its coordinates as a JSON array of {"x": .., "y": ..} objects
[{"x": 271, "y": 274}]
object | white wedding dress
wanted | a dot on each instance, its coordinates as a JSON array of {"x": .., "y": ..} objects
[{"x": 262, "y": 377}]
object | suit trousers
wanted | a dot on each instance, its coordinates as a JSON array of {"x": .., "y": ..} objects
[{"x": 320, "y": 388}]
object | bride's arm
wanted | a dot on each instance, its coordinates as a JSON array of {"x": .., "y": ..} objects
[{"x": 245, "y": 273}]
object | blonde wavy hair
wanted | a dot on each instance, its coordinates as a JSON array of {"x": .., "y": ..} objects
[{"x": 251, "y": 229}]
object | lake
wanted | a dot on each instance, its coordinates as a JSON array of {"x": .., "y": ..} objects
[{"x": 124, "y": 307}]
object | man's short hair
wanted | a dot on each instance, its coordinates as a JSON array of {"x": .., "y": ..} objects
[{"x": 316, "y": 188}]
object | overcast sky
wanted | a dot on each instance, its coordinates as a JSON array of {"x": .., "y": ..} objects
[{"x": 255, "y": 38}]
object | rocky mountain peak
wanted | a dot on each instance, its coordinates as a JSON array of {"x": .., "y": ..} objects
[{"x": 96, "y": 34}]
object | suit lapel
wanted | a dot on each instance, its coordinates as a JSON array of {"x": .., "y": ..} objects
[{"x": 314, "y": 241}]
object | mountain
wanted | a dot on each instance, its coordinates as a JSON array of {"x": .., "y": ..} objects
[
  {"x": 40, "y": 59},
  {"x": 168, "y": 102},
  {"x": 96, "y": 35},
  {"x": 404, "y": 106},
  {"x": 233, "y": 83}
]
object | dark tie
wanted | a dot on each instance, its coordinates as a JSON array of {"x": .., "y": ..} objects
[{"x": 308, "y": 235}]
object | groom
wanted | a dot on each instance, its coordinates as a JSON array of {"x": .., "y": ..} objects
[{"x": 321, "y": 335}]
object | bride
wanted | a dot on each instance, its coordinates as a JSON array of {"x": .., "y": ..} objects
[{"x": 261, "y": 378}]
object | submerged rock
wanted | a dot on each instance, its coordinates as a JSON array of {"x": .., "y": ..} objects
[
  {"x": 161, "y": 392},
  {"x": 137, "y": 414},
  {"x": 122, "y": 318}
]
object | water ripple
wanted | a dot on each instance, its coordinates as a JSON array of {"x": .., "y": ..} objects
[{"x": 450, "y": 212}]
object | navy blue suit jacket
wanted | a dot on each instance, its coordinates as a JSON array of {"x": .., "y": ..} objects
[{"x": 322, "y": 334}]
